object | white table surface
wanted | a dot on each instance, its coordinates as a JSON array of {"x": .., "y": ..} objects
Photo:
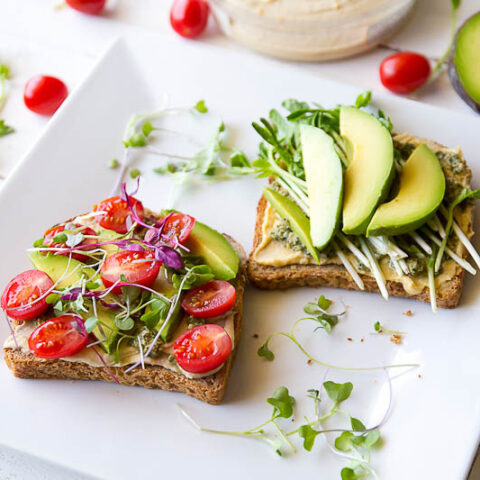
[{"x": 37, "y": 38}]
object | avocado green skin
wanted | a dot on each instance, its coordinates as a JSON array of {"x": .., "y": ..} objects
[
  {"x": 215, "y": 249},
  {"x": 55, "y": 267},
  {"x": 172, "y": 324},
  {"x": 291, "y": 212},
  {"x": 400, "y": 230},
  {"x": 437, "y": 186},
  {"x": 362, "y": 228},
  {"x": 468, "y": 88}
]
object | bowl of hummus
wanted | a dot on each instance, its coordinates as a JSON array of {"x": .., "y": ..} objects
[{"x": 311, "y": 30}]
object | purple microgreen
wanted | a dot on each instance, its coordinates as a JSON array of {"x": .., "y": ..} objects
[
  {"x": 169, "y": 257},
  {"x": 115, "y": 379}
]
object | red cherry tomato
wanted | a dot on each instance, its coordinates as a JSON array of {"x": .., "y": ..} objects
[
  {"x": 202, "y": 349},
  {"x": 92, "y": 7},
  {"x": 116, "y": 213},
  {"x": 178, "y": 227},
  {"x": 44, "y": 94},
  {"x": 404, "y": 72},
  {"x": 53, "y": 232},
  {"x": 137, "y": 267},
  {"x": 24, "y": 289},
  {"x": 189, "y": 17},
  {"x": 58, "y": 337},
  {"x": 210, "y": 300}
]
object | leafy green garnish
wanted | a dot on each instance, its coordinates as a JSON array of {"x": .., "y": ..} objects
[
  {"x": 90, "y": 324},
  {"x": 197, "y": 275},
  {"x": 282, "y": 403},
  {"x": 134, "y": 173},
  {"x": 124, "y": 323},
  {"x": 5, "y": 129},
  {"x": 53, "y": 298},
  {"x": 113, "y": 163},
  {"x": 338, "y": 392},
  {"x": 200, "y": 107}
]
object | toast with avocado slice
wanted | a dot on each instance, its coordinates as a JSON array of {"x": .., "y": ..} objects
[
  {"x": 402, "y": 228},
  {"x": 134, "y": 307}
]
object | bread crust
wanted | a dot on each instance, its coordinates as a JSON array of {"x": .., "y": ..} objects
[
  {"x": 209, "y": 389},
  {"x": 271, "y": 278}
]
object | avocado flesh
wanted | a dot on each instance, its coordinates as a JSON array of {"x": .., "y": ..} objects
[
  {"x": 55, "y": 266},
  {"x": 172, "y": 324},
  {"x": 421, "y": 191},
  {"x": 370, "y": 171},
  {"x": 110, "y": 333},
  {"x": 297, "y": 220},
  {"x": 324, "y": 177},
  {"x": 215, "y": 249},
  {"x": 464, "y": 67}
]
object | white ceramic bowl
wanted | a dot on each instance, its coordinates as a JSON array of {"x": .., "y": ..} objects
[{"x": 311, "y": 30}]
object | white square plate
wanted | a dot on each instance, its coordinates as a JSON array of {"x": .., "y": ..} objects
[{"x": 124, "y": 433}]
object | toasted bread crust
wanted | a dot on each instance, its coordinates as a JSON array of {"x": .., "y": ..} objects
[
  {"x": 270, "y": 277},
  {"x": 209, "y": 389}
]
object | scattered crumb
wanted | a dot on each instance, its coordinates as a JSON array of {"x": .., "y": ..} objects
[
  {"x": 350, "y": 339},
  {"x": 309, "y": 361},
  {"x": 362, "y": 339},
  {"x": 408, "y": 313},
  {"x": 255, "y": 335},
  {"x": 419, "y": 375},
  {"x": 396, "y": 339}
]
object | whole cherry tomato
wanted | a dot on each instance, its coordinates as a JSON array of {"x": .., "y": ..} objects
[
  {"x": 404, "y": 72},
  {"x": 91, "y": 7},
  {"x": 189, "y": 17},
  {"x": 44, "y": 94}
]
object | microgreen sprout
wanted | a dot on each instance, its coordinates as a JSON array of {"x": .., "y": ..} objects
[
  {"x": 382, "y": 330},
  {"x": 113, "y": 163},
  {"x": 326, "y": 320},
  {"x": 200, "y": 107},
  {"x": 5, "y": 129}
]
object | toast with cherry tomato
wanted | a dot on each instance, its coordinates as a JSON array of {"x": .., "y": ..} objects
[{"x": 124, "y": 295}]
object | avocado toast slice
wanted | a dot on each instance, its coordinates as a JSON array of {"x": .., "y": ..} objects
[
  {"x": 404, "y": 242},
  {"x": 119, "y": 352}
]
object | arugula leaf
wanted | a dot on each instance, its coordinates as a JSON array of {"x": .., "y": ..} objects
[
  {"x": 338, "y": 392},
  {"x": 282, "y": 403},
  {"x": 357, "y": 425},
  {"x": 90, "y": 324},
  {"x": 200, "y": 107},
  {"x": 308, "y": 434},
  {"x": 5, "y": 129},
  {"x": 265, "y": 352}
]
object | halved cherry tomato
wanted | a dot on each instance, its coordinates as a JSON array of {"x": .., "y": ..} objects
[
  {"x": 91, "y": 7},
  {"x": 189, "y": 17},
  {"x": 137, "y": 267},
  {"x": 202, "y": 349},
  {"x": 178, "y": 227},
  {"x": 44, "y": 94},
  {"x": 58, "y": 337},
  {"x": 116, "y": 213},
  {"x": 53, "y": 232},
  {"x": 404, "y": 72},
  {"x": 24, "y": 289},
  {"x": 210, "y": 300}
]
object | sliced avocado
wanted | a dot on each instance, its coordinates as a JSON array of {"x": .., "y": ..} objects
[
  {"x": 370, "y": 170},
  {"x": 464, "y": 66},
  {"x": 324, "y": 176},
  {"x": 291, "y": 212},
  {"x": 172, "y": 324},
  {"x": 107, "y": 319},
  {"x": 215, "y": 249},
  {"x": 420, "y": 193},
  {"x": 55, "y": 266}
]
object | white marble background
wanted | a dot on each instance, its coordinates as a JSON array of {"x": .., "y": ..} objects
[{"x": 37, "y": 38}]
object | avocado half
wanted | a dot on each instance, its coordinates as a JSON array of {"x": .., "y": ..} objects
[{"x": 464, "y": 64}]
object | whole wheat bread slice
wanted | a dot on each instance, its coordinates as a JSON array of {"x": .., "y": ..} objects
[
  {"x": 210, "y": 389},
  {"x": 334, "y": 275}
]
